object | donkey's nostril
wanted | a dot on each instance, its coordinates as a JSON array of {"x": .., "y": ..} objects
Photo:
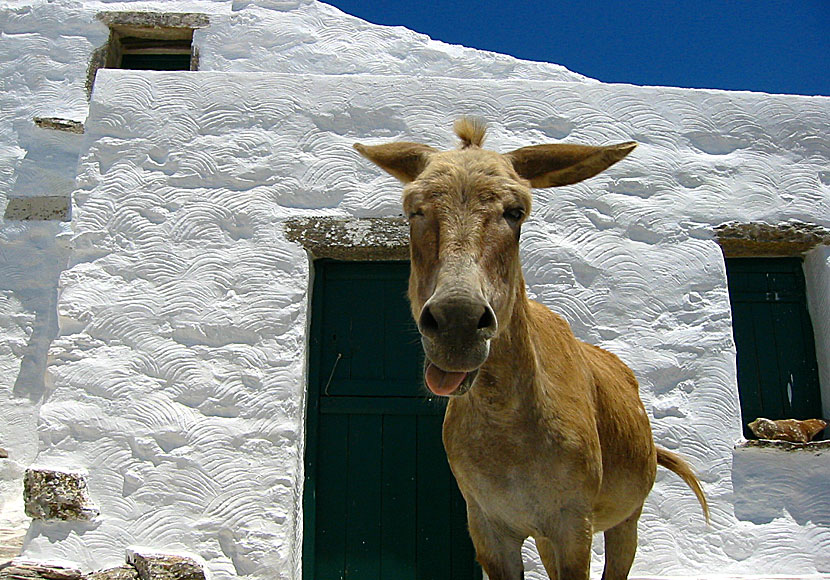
[
  {"x": 487, "y": 320},
  {"x": 427, "y": 324}
]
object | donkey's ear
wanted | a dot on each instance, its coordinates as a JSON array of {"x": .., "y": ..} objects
[
  {"x": 561, "y": 164},
  {"x": 403, "y": 160}
]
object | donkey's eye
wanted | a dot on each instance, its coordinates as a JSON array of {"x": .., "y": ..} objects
[{"x": 514, "y": 214}]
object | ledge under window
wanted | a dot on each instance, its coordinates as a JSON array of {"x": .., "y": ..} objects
[{"x": 782, "y": 445}]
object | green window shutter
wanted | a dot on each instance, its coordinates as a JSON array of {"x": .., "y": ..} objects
[
  {"x": 380, "y": 501},
  {"x": 777, "y": 368}
]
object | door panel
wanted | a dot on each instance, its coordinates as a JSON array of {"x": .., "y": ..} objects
[{"x": 380, "y": 500}]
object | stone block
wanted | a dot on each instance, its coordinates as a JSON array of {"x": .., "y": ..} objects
[
  {"x": 153, "y": 565},
  {"x": 58, "y": 124},
  {"x": 42, "y": 208},
  {"x": 25, "y": 570},
  {"x": 791, "y": 430},
  {"x": 57, "y": 495},
  {"x": 120, "y": 573}
]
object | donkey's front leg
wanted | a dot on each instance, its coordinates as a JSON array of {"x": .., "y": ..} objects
[{"x": 498, "y": 549}]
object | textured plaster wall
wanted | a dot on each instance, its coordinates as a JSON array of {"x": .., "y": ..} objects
[
  {"x": 301, "y": 36},
  {"x": 47, "y": 49},
  {"x": 17, "y": 423},
  {"x": 45, "y": 52},
  {"x": 31, "y": 259},
  {"x": 794, "y": 491},
  {"x": 178, "y": 373}
]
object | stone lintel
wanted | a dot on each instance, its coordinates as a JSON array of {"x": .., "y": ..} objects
[
  {"x": 351, "y": 238},
  {"x": 758, "y": 239},
  {"x": 169, "y": 25},
  {"x": 40, "y": 208}
]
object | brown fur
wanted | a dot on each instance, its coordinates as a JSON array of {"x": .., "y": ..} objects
[{"x": 546, "y": 435}]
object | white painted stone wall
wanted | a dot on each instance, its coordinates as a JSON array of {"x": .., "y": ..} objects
[
  {"x": 45, "y": 53},
  {"x": 178, "y": 377},
  {"x": 17, "y": 423}
]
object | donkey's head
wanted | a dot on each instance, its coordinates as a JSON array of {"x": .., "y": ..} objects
[{"x": 466, "y": 209}]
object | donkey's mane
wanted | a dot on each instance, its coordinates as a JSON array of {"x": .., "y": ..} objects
[{"x": 471, "y": 131}]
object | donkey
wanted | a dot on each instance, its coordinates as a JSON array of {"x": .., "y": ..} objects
[{"x": 546, "y": 435}]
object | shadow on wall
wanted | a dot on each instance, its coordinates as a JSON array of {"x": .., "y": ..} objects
[
  {"x": 31, "y": 253},
  {"x": 770, "y": 482},
  {"x": 31, "y": 261}
]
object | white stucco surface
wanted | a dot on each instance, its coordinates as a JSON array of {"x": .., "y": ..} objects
[
  {"x": 45, "y": 53},
  {"x": 17, "y": 423},
  {"x": 179, "y": 373},
  {"x": 176, "y": 376}
]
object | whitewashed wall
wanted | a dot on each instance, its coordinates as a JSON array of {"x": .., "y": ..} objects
[
  {"x": 178, "y": 377},
  {"x": 45, "y": 53}
]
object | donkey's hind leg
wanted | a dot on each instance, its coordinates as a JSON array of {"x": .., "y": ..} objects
[
  {"x": 620, "y": 547},
  {"x": 547, "y": 553}
]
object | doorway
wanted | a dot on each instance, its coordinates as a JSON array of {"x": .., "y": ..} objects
[{"x": 380, "y": 501}]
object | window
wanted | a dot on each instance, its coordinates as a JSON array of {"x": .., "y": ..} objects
[
  {"x": 150, "y": 48},
  {"x": 147, "y": 41},
  {"x": 149, "y": 54},
  {"x": 777, "y": 368}
]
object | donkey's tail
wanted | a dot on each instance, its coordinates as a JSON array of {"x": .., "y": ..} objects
[{"x": 677, "y": 464}]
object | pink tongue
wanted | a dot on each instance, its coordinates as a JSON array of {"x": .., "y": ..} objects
[{"x": 442, "y": 382}]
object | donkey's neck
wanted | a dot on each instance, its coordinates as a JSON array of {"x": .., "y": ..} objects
[{"x": 507, "y": 376}]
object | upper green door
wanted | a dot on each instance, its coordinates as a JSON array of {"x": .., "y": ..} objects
[
  {"x": 777, "y": 368},
  {"x": 380, "y": 501}
]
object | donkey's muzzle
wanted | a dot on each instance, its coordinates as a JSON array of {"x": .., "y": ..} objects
[{"x": 457, "y": 330}]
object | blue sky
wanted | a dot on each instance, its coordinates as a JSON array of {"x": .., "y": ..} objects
[{"x": 774, "y": 46}]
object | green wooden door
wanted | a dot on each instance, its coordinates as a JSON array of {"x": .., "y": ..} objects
[
  {"x": 777, "y": 369},
  {"x": 380, "y": 501}
]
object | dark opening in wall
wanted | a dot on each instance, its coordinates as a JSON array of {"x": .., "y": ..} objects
[
  {"x": 140, "y": 53},
  {"x": 777, "y": 366}
]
